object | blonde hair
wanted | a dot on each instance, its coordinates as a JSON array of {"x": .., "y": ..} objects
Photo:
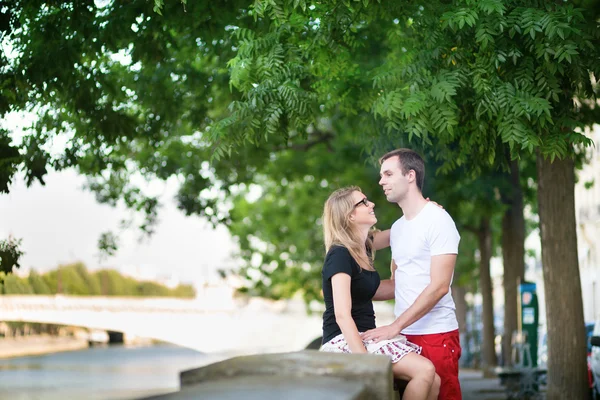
[{"x": 339, "y": 230}]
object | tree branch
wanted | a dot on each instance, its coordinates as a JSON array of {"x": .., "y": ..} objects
[{"x": 321, "y": 137}]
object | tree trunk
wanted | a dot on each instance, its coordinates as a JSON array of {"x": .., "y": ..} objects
[
  {"x": 567, "y": 371},
  {"x": 489, "y": 358},
  {"x": 458, "y": 294},
  {"x": 513, "y": 254}
]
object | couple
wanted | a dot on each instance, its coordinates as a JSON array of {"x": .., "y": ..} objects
[{"x": 423, "y": 342}]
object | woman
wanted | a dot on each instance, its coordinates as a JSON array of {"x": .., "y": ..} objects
[{"x": 349, "y": 284}]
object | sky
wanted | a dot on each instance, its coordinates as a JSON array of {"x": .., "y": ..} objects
[{"x": 61, "y": 222}]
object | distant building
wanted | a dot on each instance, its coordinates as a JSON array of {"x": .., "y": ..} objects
[{"x": 587, "y": 206}]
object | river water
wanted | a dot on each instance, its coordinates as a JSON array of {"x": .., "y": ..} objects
[{"x": 114, "y": 372}]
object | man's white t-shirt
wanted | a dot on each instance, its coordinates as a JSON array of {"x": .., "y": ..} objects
[{"x": 413, "y": 242}]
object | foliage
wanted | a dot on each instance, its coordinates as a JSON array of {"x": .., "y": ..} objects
[
  {"x": 12, "y": 284},
  {"x": 159, "y": 89},
  {"x": 245, "y": 86},
  {"x": 125, "y": 87},
  {"x": 75, "y": 279},
  {"x": 137, "y": 93},
  {"x": 459, "y": 74},
  {"x": 38, "y": 284},
  {"x": 108, "y": 244},
  {"x": 280, "y": 230},
  {"x": 468, "y": 80},
  {"x": 10, "y": 252}
]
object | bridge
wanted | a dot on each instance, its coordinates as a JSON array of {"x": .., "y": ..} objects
[{"x": 211, "y": 323}]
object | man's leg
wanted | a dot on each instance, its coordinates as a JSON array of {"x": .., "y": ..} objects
[{"x": 443, "y": 349}]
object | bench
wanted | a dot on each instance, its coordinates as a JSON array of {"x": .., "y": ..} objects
[{"x": 522, "y": 382}]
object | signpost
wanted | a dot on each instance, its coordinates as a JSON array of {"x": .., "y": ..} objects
[{"x": 529, "y": 320}]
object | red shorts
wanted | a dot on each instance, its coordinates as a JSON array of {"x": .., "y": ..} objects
[{"x": 443, "y": 349}]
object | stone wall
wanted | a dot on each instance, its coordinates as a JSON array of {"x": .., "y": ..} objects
[{"x": 307, "y": 374}]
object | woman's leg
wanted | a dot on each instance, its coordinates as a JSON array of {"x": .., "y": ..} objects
[
  {"x": 435, "y": 388},
  {"x": 420, "y": 374}
]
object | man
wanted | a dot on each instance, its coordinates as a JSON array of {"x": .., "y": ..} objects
[{"x": 424, "y": 245}]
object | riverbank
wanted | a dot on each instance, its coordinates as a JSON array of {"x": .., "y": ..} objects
[{"x": 35, "y": 345}]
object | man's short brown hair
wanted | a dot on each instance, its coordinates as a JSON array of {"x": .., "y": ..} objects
[{"x": 408, "y": 159}]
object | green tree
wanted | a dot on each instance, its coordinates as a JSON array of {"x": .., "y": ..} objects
[
  {"x": 114, "y": 102},
  {"x": 474, "y": 204},
  {"x": 69, "y": 279},
  {"x": 151, "y": 289},
  {"x": 91, "y": 282},
  {"x": 38, "y": 284},
  {"x": 75, "y": 279},
  {"x": 13, "y": 284},
  {"x": 135, "y": 92},
  {"x": 115, "y": 284},
  {"x": 460, "y": 76},
  {"x": 280, "y": 232},
  {"x": 183, "y": 290},
  {"x": 515, "y": 194},
  {"x": 10, "y": 253},
  {"x": 465, "y": 281}
]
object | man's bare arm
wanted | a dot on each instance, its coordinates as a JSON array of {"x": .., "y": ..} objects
[
  {"x": 381, "y": 239},
  {"x": 387, "y": 287},
  {"x": 442, "y": 268}
]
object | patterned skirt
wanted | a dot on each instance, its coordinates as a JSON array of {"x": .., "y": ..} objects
[{"x": 394, "y": 348}]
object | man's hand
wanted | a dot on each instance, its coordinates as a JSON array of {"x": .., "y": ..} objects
[
  {"x": 433, "y": 202},
  {"x": 381, "y": 333}
]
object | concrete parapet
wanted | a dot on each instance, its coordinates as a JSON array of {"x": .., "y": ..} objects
[
  {"x": 272, "y": 388},
  {"x": 375, "y": 372},
  {"x": 307, "y": 374}
]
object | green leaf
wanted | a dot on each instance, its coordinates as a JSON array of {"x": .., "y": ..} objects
[{"x": 158, "y": 5}]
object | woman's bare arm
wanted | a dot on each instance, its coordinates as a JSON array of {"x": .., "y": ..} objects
[
  {"x": 342, "y": 307},
  {"x": 387, "y": 287}
]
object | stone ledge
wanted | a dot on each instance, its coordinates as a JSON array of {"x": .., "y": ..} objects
[
  {"x": 373, "y": 372},
  {"x": 272, "y": 388}
]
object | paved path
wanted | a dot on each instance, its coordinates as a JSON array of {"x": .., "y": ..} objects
[{"x": 475, "y": 387}]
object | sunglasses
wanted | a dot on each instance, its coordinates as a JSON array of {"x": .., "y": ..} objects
[{"x": 364, "y": 202}]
